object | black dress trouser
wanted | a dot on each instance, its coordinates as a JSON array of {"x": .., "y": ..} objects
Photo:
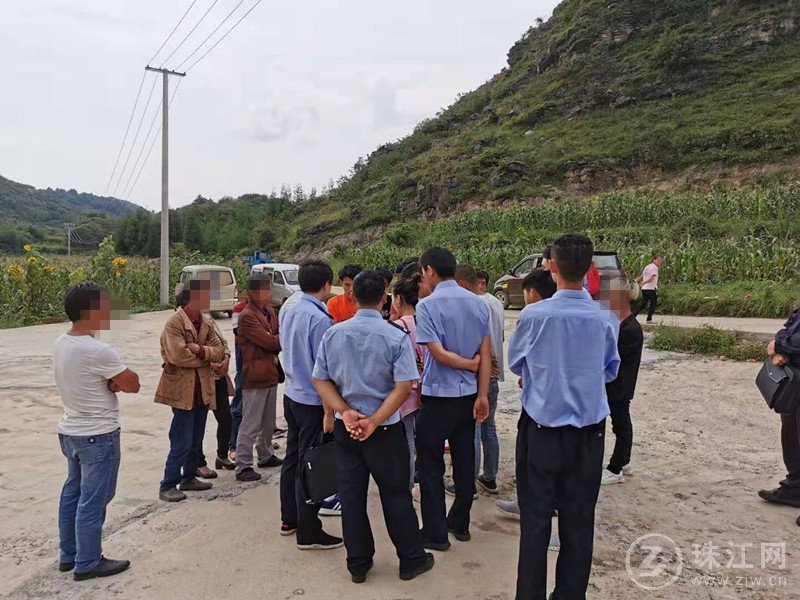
[
  {"x": 622, "y": 426},
  {"x": 224, "y": 421},
  {"x": 650, "y": 300},
  {"x": 564, "y": 463},
  {"x": 304, "y": 429},
  {"x": 443, "y": 419},
  {"x": 790, "y": 444},
  {"x": 384, "y": 455}
]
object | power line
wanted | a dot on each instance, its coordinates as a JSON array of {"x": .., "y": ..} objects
[
  {"x": 127, "y": 129},
  {"x": 171, "y": 33},
  {"x": 136, "y": 137},
  {"x": 205, "y": 14},
  {"x": 185, "y": 60},
  {"x": 152, "y": 144},
  {"x": 141, "y": 151},
  {"x": 224, "y": 36}
]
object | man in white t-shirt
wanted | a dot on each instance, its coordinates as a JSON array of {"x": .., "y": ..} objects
[
  {"x": 88, "y": 374},
  {"x": 649, "y": 285},
  {"x": 486, "y": 439}
]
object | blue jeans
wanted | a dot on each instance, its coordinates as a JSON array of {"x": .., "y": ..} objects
[
  {"x": 185, "y": 445},
  {"x": 236, "y": 403},
  {"x": 486, "y": 433},
  {"x": 92, "y": 467}
]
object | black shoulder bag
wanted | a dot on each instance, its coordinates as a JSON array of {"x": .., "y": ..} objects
[
  {"x": 320, "y": 471},
  {"x": 780, "y": 387}
]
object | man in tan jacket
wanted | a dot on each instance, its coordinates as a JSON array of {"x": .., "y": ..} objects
[
  {"x": 189, "y": 346},
  {"x": 261, "y": 373}
]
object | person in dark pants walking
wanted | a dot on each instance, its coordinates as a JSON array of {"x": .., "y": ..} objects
[
  {"x": 785, "y": 350},
  {"x": 301, "y": 333},
  {"x": 450, "y": 321},
  {"x": 565, "y": 350},
  {"x": 364, "y": 371},
  {"x": 236, "y": 403},
  {"x": 622, "y": 291},
  {"x": 649, "y": 279}
]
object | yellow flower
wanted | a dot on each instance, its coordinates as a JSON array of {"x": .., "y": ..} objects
[
  {"x": 119, "y": 262},
  {"x": 15, "y": 271},
  {"x": 48, "y": 269},
  {"x": 32, "y": 260},
  {"x": 117, "y": 274},
  {"x": 27, "y": 247}
]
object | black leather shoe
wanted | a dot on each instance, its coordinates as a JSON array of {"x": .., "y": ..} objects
[
  {"x": 423, "y": 568},
  {"x": 272, "y": 461},
  {"x": 780, "y": 495},
  {"x": 194, "y": 485},
  {"x": 429, "y": 544},
  {"x": 105, "y": 568},
  {"x": 361, "y": 576},
  {"x": 461, "y": 536},
  {"x": 66, "y": 566},
  {"x": 247, "y": 475},
  {"x": 210, "y": 475}
]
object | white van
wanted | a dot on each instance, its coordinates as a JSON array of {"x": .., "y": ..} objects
[
  {"x": 284, "y": 280},
  {"x": 223, "y": 285}
]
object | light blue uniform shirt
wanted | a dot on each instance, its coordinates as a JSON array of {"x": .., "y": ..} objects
[
  {"x": 301, "y": 332},
  {"x": 565, "y": 350},
  {"x": 364, "y": 357},
  {"x": 459, "y": 320}
]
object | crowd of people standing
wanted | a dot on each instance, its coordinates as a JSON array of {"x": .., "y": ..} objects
[{"x": 396, "y": 375}]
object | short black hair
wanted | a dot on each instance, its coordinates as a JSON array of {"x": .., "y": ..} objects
[
  {"x": 541, "y": 281},
  {"x": 466, "y": 273},
  {"x": 313, "y": 275},
  {"x": 483, "y": 275},
  {"x": 387, "y": 274},
  {"x": 350, "y": 271},
  {"x": 441, "y": 260},
  {"x": 369, "y": 288},
  {"x": 548, "y": 252},
  {"x": 573, "y": 255},
  {"x": 82, "y": 298},
  {"x": 259, "y": 281},
  {"x": 197, "y": 283}
]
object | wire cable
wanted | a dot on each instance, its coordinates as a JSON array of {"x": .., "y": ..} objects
[
  {"x": 127, "y": 130},
  {"x": 205, "y": 14},
  {"x": 136, "y": 137},
  {"x": 223, "y": 37},
  {"x": 185, "y": 60},
  {"x": 171, "y": 33},
  {"x": 152, "y": 144}
]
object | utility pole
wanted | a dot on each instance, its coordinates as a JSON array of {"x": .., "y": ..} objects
[
  {"x": 69, "y": 238},
  {"x": 165, "y": 181}
]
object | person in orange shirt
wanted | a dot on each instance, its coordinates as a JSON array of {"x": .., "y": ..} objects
[{"x": 343, "y": 307}]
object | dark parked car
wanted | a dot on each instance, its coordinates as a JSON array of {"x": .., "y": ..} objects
[{"x": 508, "y": 289}]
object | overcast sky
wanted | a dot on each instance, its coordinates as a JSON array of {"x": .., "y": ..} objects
[{"x": 295, "y": 94}]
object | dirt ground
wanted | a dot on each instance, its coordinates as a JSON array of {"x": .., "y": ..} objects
[{"x": 704, "y": 444}]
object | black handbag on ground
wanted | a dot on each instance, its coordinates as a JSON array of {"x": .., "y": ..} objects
[
  {"x": 780, "y": 387},
  {"x": 320, "y": 471}
]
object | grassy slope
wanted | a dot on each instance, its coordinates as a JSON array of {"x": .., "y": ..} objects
[{"x": 603, "y": 94}]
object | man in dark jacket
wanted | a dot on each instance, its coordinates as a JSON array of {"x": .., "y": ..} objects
[
  {"x": 783, "y": 350},
  {"x": 260, "y": 344}
]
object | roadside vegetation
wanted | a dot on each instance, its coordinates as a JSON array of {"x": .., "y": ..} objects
[{"x": 707, "y": 340}]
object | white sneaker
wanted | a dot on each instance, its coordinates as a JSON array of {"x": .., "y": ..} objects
[
  {"x": 609, "y": 478},
  {"x": 627, "y": 470}
]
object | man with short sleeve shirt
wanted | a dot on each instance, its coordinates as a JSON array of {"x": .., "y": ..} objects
[
  {"x": 301, "y": 332},
  {"x": 88, "y": 374},
  {"x": 565, "y": 350},
  {"x": 450, "y": 320},
  {"x": 649, "y": 279},
  {"x": 364, "y": 372}
]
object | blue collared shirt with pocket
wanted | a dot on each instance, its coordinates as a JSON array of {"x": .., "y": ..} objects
[
  {"x": 565, "y": 350},
  {"x": 302, "y": 329},
  {"x": 459, "y": 320},
  {"x": 364, "y": 357}
]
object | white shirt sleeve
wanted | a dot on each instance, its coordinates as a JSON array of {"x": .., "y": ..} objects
[{"x": 107, "y": 363}]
